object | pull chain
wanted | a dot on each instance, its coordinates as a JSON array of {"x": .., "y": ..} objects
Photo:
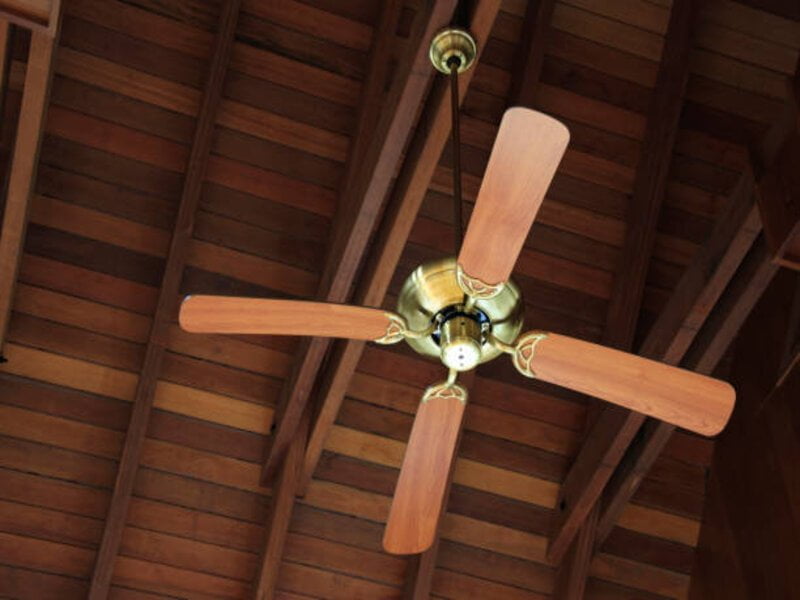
[{"x": 458, "y": 222}]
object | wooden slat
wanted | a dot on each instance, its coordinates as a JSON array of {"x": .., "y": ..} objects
[
  {"x": 603, "y": 449},
  {"x": 412, "y": 183},
  {"x": 24, "y": 163},
  {"x": 359, "y": 207},
  {"x": 168, "y": 296}
]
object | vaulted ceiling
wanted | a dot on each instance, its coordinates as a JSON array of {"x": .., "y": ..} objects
[{"x": 298, "y": 148}]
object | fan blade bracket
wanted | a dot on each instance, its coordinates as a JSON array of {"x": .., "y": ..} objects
[
  {"x": 475, "y": 288},
  {"x": 445, "y": 391},
  {"x": 525, "y": 351}
]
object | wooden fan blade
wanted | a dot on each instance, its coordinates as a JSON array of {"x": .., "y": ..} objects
[
  {"x": 683, "y": 398},
  {"x": 225, "y": 314},
  {"x": 524, "y": 159},
  {"x": 419, "y": 495}
]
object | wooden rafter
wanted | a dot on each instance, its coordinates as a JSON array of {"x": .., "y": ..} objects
[
  {"x": 699, "y": 320},
  {"x": 24, "y": 162},
  {"x": 601, "y": 451},
  {"x": 358, "y": 212},
  {"x": 167, "y": 299},
  {"x": 41, "y": 16},
  {"x": 696, "y": 294},
  {"x": 412, "y": 183},
  {"x": 280, "y": 515}
]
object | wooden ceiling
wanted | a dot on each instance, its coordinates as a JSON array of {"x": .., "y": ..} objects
[{"x": 292, "y": 148}]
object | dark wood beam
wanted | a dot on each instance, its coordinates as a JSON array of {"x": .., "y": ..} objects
[
  {"x": 530, "y": 55},
  {"x": 709, "y": 321},
  {"x": 417, "y": 171},
  {"x": 615, "y": 427},
  {"x": 40, "y": 16},
  {"x": 24, "y": 162},
  {"x": 748, "y": 286},
  {"x": 280, "y": 515},
  {"x": 167, "y": 302},
  {"x": 359, "y": 209},
  {"x": 573, "y": 572}
]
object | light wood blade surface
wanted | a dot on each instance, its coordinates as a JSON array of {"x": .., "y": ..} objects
[
  {"x": 225, "y": 314},
  {"x": 683, "y": 398},
  {"x": 525, "y": 156},
  {"x": 420, "y": 489}
]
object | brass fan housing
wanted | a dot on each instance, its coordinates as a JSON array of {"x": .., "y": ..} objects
[{"x": 431, "y": 294}]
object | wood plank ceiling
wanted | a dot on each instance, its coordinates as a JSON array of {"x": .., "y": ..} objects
[{"x": 127, "y": 92}]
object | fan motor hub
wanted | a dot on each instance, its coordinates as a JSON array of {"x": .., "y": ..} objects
[
  {"x": 431, "y": 294},
  {"x": 460, "y": 342}
]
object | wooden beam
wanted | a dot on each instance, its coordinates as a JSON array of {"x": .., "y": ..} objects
[
  {"x": 616, "y": 427},
  {"x": 167, "y": 301},
  {"x": 697, "y": 292},
  {"x": 732, "y": 260},
  {"x": 360, "y": 207},
  {"x": 422, "y": 157},
  {"x": 745, "y": 291},
  {"x": 530, "y": 56},
  {"x": 41, "y": 16},
  {"x": 574, "y": 570},
  {"x": 280, "y": 515},
  {"x": 24, "y": 162}
]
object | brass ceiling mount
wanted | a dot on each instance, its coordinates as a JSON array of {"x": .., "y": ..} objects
[
  {"x": 453, "y": 42},
  {"x": 461, "y": 336}
]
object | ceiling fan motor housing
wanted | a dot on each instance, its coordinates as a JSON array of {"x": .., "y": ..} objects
[{"x": 431, "y": 294}]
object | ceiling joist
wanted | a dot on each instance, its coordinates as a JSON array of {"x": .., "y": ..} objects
[
  {"x": 709, "y": 305},
  {"x": 359, "y": 209},
  {"x": 615, "y": 427},
  {"x": 41, "y": 16},
  {"x": 422, "y": 157},
  {"x": 24, "y": 162},
  {"x": 167, "y": 300}
]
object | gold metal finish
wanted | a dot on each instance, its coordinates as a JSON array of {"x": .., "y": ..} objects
[
  {"x": 460, "y": 343},
  {"x": 524, "y": 352},
  {"x": 432, "y": 287},
  {"x": 443, "y": 391},
  {"x": 453, "y": 42},
  {"x": 395, "y": 331},
  {"x": 500, "y": 345},
  {"x": 475, "y": 288}
]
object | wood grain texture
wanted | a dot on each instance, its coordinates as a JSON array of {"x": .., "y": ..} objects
[
  {"x": 176, "y": 260},
  {"x": 413, "y": 180},
  {"x": 711, "y": 302},
  {"x": 626, "y": 297},
  {"x": 22, "y": 174},
  {"x": 684, "y": 398},
  {"x": 361, "y": 206},
  {"x": 280, "y": 514},
  {"x": 232, "y": 314},
  {"x": 514, "y": 185},
  {"x": 419, "y": 495}
]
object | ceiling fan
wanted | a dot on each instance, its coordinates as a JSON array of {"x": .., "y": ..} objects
[{"x": 465, "y": 311}]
